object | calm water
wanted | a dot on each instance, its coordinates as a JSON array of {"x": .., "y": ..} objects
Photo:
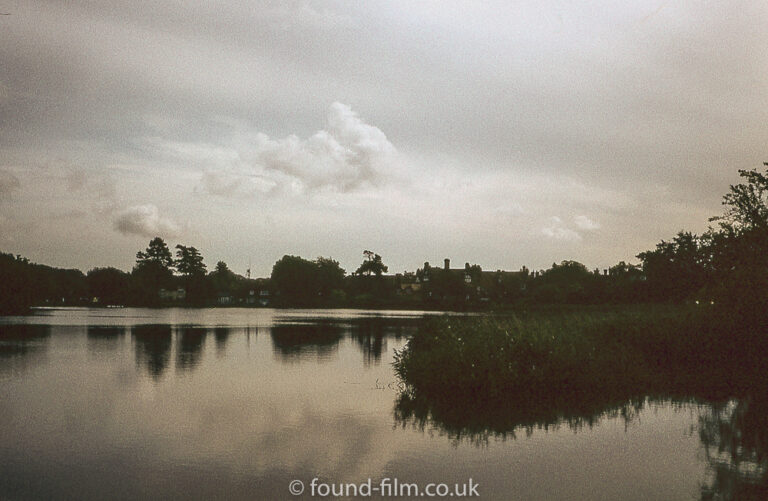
[{"x": 235, "y": 404}]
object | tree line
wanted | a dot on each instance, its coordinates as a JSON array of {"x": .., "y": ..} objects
[{"x": 727, "y": 265}]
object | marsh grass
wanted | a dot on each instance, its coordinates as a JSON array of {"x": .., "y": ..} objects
[{"x": 571, "y": 359}]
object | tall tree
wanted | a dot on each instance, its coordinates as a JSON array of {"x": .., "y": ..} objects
[
  {"x": 157, "y": 252},
  {"x": 151, "y": 273},
  {"x": 189, "y": 261},
  {"x": 737, "y": 250},
  {"x": 371, "y": 265}
]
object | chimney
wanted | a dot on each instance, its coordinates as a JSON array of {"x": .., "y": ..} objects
[{"x": 447, "y": 264}]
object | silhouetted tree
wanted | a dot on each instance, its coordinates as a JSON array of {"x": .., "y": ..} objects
[
  {"x": 295, "y": 281},
  {"x": 738, "y": 249},
  {"x": 156, "y": 252},
  {"x": 151, "y": 272},
  {"x": 330, "y": 276},
  {"x": 372, "y": 264},
  {"x": 567, "y": 282},
  {"x": 109, "y": 285},
  {"x": 675, "y": 270},
  {"x": 189, "y": 261}
]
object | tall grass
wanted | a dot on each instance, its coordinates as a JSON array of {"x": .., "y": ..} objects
[{"x": 545, "y": 358}]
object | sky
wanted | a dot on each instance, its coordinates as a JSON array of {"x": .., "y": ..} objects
[{"x": 498, "y": 133}]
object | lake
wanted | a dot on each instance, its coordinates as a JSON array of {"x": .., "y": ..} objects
[{"x": 238, "y": 403}]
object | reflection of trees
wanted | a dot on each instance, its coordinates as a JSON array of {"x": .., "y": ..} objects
[
  {"x": 22, "y": 340},
  {"x": 153, "y": 348},
  {"x": 221, "y": 334},
  {"x": 191, "y": 341},
  {"x": 293, "y": 342},
  {"x": 735, "y": 440},
  {"x": 371, "y": 334},
  {"x": 102, "y": 338}
]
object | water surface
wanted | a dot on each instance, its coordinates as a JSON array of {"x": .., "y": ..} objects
[{"x": 237, "y": 403}]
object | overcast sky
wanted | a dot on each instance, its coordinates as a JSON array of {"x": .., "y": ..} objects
[{"x": 500, "y": 133}]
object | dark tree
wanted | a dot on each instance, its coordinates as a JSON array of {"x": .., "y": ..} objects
[
  {"x": 295, "y": 281},
  {"x": 567, "y": 282},
  {"x": 109, "y": 285},
  {"x": 372, "y": 265},
  {"x": 189, "y": 261},
  {"x": 224, "y": 280},
  {"x": 330, "y": 276},
  {"x": 675, "y": 270},
  {"x": 157, "y": 252},
  {"x": 737, "y": 251},
  {"x": 151, "y": 273}
]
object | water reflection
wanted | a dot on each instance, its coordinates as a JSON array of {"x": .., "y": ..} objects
[
  {"x": 20, "y": 344},
  {"x": 262, "y": 412},
  {"x": 153, "y": 348},
  {"x": 221, "y": 334},
  {"x": 103, "y": 338},
  {"x": 369, "y": 334},
  {"x": 297, "y": 342},
  {"x": 735, "y": 440},
  {"x": 190, "y": 347}
]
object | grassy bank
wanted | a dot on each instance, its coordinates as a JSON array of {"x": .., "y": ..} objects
[{"x": 567, "y": 359}]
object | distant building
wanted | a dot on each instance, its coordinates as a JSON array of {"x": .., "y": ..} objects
[
  {"x": 264, "y": 297},
  {"x": 225, "y": 299},
  {"x": 179, "y": 294}
]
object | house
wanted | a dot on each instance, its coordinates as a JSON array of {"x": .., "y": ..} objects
[
  {"x": 264, "y": 297},
  {"x": 225, "y": 299},
  {"x": 179, "y": 294}
]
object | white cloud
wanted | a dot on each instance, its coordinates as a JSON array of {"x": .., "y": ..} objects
[
  {"x": 558, "y": 231},
  {"x": 233, "y": 184},
  {"x": 585, "y": 223},
  {"x": 145, "y": 220},
  {"x": 343, "y": 157}
]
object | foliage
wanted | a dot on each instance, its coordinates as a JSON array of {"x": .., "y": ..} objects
[
  {"x": 547, "y": 356},
  {"x": 675, "y": 270},
  {"x": 298, "y": 281},
  {"x": 157, "y": 252},
  {"x": 189, "y": 261},
  {"x": 109, "y": 285},
  {"x": 23, "y": 284},
  {"x": 372, "y": 264},
  {"x": 568, "y": 282}
]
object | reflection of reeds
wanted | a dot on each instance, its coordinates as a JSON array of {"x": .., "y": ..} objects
[
  {"x": 529, "y": 369},
  {"x": 735, "y": 440}
]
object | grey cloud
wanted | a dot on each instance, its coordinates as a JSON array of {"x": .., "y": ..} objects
[
  {"x": 75, "y": 179},
  {"x": 585, "y": 223},
  {"x": 234, "y": 184},
  {"x": 145, "y": 220},
  {"x": 8, "y": 182},
  {"x": 650, "y": 112}
]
